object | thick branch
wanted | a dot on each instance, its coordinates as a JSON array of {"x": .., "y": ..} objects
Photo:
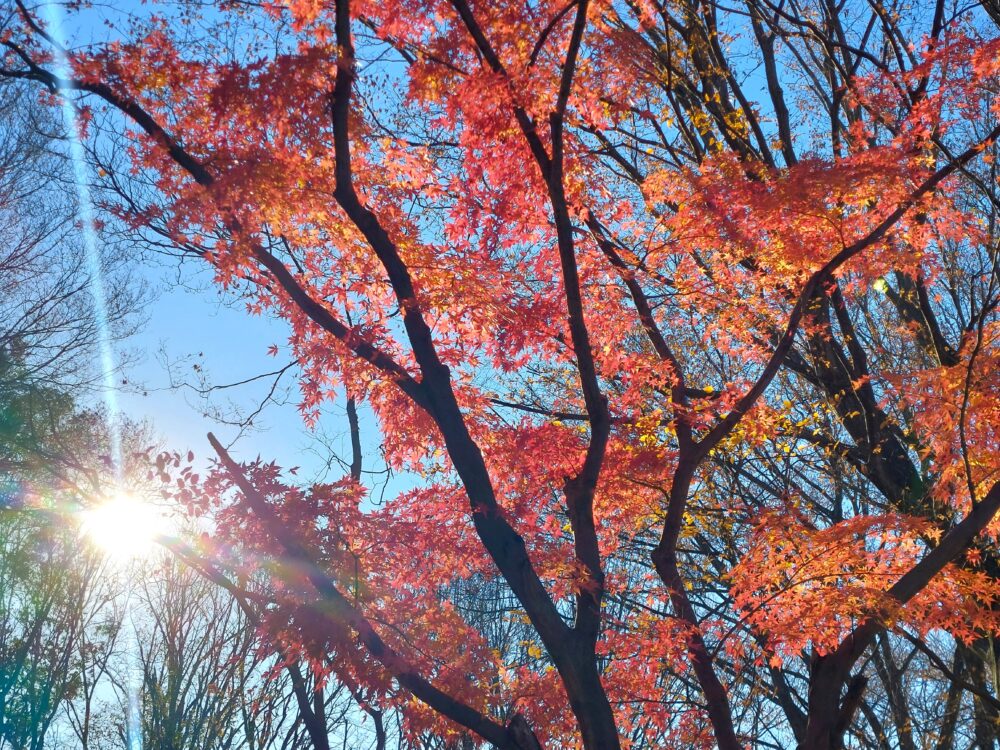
[{"x": 505, "y": 546}]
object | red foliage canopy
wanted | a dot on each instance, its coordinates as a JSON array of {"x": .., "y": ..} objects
[{"x": 626, "y": 329}]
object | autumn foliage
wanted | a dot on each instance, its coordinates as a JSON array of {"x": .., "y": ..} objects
[{"x": 681, "y": 321}]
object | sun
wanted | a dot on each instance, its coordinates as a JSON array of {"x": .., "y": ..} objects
[{"x": 124, "y": 527}]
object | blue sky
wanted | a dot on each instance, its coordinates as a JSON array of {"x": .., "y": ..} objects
[{"x": 185, "y": 327}]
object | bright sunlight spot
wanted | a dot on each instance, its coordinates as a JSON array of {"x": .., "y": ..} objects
[{"x": 124, "y": 527}]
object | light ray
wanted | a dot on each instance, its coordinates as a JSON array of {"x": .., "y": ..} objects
[{"x": 85, "y": 214}]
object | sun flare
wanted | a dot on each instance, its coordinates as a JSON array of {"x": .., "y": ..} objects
[{"x": 124, "y": 527}]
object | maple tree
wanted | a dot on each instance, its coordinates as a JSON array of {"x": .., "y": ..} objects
[{"x": 707, "y": 381}]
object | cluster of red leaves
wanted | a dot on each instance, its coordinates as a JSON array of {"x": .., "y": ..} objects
[
  {"x": 966, "y": 394},
  {"x": 802, "y": 587}
]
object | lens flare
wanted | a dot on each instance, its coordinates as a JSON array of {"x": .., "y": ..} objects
[{"x": 124, "y": 527}]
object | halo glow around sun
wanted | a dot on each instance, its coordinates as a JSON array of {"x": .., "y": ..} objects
[{"x": 124, "y": 527}]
